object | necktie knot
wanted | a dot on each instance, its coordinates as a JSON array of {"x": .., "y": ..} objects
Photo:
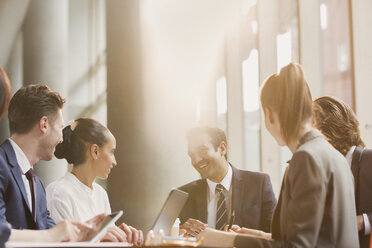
[
  {"x": 219, "y": 188},
  {"x": 30, "y": 174}
]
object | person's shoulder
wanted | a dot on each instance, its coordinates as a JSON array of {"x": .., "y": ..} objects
[
  {"x": 59, "y": 187},
  {"x": 252, "y": 173},
  {"x": 99, "y": 188},
  {"x": 319, "y": 151},
  {"x": 367, "y": 152},
  {"x": 193, "y": 186},
  {"x": 366, "y": 158},
  {"x": 247, "y": 175},
  {"x": 319, "y": 158}
]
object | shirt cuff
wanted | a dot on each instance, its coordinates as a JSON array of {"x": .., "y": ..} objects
[{"x": 367, "y": 225}]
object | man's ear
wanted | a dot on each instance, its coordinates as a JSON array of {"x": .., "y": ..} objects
[
  {"x": 94, "y": 151},
  {"x": 223, "y": 148},
  {"x": 43, "y": 124}
]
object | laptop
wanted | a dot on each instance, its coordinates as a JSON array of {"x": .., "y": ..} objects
[{"x": 170, "y": 211}]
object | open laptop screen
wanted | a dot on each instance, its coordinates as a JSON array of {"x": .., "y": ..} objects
[{"x": 170, "y": 211}]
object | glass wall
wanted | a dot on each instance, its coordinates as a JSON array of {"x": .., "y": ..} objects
[
  {"x": 335, "y": 30},
  {"x": 250, "y": 80},
  {"x": 287, "y": 44},
  {"x": 221, "y": 97}
]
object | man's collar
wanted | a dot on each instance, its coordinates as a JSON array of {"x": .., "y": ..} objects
[
  {"x": 226, "y": 181},
  {"x": 22, "y": 160},
  {"x": 349, "y": 155}
]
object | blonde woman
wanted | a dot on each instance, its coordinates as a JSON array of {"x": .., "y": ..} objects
[{"x": 315, "y": 206}]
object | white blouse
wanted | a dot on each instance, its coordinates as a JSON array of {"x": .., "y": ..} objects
[{"x": 68, "y": 198}]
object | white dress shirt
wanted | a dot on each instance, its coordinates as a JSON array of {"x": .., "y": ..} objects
[
  {"x": 68, "y": 198},
  {"x": 25, "y": 166},
  {"x": 212, "y": 198},
  {"x": 367, "y": 225}
]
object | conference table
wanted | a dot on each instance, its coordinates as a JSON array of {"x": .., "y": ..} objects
[{"x": 86, "y": 245}]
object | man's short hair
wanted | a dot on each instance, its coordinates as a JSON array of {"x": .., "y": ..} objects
[
  {"x": 337, "y": 122},
  {"x": 217, "y": 135},
  {"x": 29, "y": 104}
]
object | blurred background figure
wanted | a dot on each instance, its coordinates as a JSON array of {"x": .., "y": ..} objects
[{"x": 339, "y": 124}]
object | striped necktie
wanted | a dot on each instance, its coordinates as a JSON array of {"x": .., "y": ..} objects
[{"x": 221, "y": 213}]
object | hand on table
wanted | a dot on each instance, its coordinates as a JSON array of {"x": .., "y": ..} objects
[
  {"x": 70, "y": 231},
  {"x": 114, "y": 234},
  {"x": 251, "y": 232},
  {"x": 134, "y": 236},
  {"x": 64, "y": 231},
  {"x": 192, "y": 227}
]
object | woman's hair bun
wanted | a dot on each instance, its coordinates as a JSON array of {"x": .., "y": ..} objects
[
  {"x": 64, "y": 149},
  {"x": 78, "y": 137}
]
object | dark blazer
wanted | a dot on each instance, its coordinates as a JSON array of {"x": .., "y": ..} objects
[
  {"x": 13, "y": 198},
  {"x": 253, "y": 200},
  {"x": 4, "y": 234},
  {"x": 361, "y": 166},
  {"x": 315, "y": 206}
]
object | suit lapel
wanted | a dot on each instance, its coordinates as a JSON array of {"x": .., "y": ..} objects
[
  {"x": 237, "y": 192},
  {"x": 201, "y": 202},
  {"x": 357, "y": 156},
  {"x": 16, "y": 170}
]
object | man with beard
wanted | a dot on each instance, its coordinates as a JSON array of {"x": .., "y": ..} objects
[{"x": 224, "y": 193}]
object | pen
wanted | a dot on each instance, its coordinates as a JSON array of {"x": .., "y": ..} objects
[{"x": 232, "y": 218}]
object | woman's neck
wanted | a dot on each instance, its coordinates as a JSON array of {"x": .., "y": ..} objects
[
  {"x": 84, "y": 173},
  {"x": 306, "y": 128}
]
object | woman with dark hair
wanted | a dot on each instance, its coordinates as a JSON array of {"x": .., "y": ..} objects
[
  {"x": 340, "y": 126},
  {"x": 314, "y": 207},
  {"x": 89, "y": 147}
]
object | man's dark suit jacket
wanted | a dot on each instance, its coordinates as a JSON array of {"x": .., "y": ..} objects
[
  {"x": 14, "y": 207},
  {"x": 4, "y": 234},
  {"x": 361, "y": 166},
  {"x": 253, "y": 200}
]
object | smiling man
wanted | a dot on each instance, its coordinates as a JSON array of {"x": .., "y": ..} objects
[
  {"x": 224, "y": 193},
  {"x": 35, "y": 123}
]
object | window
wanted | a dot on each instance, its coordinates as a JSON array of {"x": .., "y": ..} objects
[
  {"x": 221, "y": 97},
  {"x": 251, "y": 86},
  {"x": 287, "y": 51},
  {"x": 337, "y": 77}
]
